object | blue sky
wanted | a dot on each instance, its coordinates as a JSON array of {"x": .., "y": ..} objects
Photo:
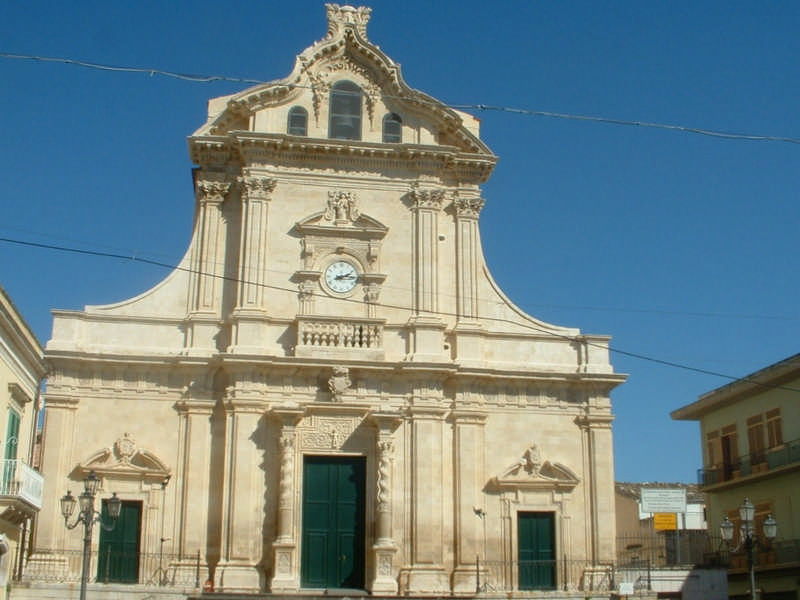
[{"x": 682, "y": 247}]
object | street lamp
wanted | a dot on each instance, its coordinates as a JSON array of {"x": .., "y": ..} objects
[
  {"x": 748, "y": 537},
  {"x": 88, "y": 516}
]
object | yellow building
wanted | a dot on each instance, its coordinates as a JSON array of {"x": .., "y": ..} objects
[
  {"x": 22, "y": 369},
  {"x": 750, "y": 431}
]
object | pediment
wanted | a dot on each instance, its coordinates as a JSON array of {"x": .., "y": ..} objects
[
  {"x": 532, "y": 471},
  {"x": 126, "y": 460},
  {"x": 346, "y": 52}
]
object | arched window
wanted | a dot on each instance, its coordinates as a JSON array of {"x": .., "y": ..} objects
[
  {"x": 298, "y": 121},
  {"x": 345, "y": 123},
  {"x": 392, "y": 128}
]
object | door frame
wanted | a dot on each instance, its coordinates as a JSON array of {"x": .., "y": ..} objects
[{"x": 366, "y": 509}]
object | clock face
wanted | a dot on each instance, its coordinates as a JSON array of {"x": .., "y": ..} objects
[{"x": 341, "y": 277}]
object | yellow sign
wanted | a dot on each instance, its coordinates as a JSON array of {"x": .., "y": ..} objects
[{"x": 665, "y": 521}]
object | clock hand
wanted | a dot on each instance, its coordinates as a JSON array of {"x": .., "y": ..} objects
[{"x": 346, "y": 276}]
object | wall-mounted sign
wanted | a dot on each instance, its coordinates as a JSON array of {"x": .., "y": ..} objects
[
  {"x": 663, "y": 500},
  {"x": 665, "y": 521}
]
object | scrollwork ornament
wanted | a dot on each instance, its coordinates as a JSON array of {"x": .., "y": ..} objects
[
  {"x": 342, "y": 208},
  {"x": 347, "y": 17}
]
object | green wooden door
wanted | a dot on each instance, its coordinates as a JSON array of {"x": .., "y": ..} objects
[
  {"x": 537, "y": 550},
  {"x": 333, "y": 522},
  {"x": 118, "y": 551}
]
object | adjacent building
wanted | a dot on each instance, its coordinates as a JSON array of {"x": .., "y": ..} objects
[
  {"x": 331, "y": 391},
  {"x": 22, "y": 370},
  {"x": 750, "y": 431}
]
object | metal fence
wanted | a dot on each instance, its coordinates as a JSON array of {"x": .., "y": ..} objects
[{"x": 157, "y": 569}]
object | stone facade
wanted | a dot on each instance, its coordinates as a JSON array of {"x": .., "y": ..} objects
[{"x": 334, "y": 312}]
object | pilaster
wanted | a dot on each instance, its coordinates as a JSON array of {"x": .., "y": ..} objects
[
  {"x": 206, "y": 266},
  {"x": 426, "y": 327},
  {"x": 426, "y": 574},
  {"x": 249, "y": 316},
  {"x": 469, "y": 478},
  {"x": 243, "y": 486},
  {"x": 192, "y": 478}
]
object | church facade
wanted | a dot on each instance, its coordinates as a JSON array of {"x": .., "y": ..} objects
[{"x": 330, "y": 391}]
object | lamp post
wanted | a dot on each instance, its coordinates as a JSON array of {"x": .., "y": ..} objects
[
  {"x": 748, "y": 537},
  {"x": 88, "y": 516}
]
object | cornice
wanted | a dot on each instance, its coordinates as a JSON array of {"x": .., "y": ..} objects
[{"x": 254, "y": 149}]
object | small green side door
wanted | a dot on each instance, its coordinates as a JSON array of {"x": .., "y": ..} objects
[
  {"x": 118, "y": 551},
  {"x": 537, "y": 553},
  {"x": 333, "y": 548}
]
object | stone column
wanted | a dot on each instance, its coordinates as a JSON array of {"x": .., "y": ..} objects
[
  {"x": 206, "y": 267},
  {"x": 286, "y": 568},
  {"x": 251, "y": 308},
  {"x": 384, "y": 582},
  {"x": 469, "y": 479},
  {"x": 192, "y": 478},
  {"x": 426, "y": 327},
  {"x": 426, "y": 574},
  {"x": 242, "y": 498},
  {"x": 468, "y": 339}
]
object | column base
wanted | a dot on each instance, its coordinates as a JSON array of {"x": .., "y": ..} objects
[
  {"x": 385, "y": 583},
  {"x": 286, "y": 578},
  {"x": 237, "y": 576},
  {"x": 421, "y": 581}
]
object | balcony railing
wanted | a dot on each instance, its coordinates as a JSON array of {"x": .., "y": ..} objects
[
  {"x": 20, "y": 481},
  {"x": 321, "y": 334},
  {"x": 759, "y": 462}
]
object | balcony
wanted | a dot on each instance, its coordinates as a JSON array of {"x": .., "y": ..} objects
[
  {"x": 339, "y": 338},
  {"x": 756, "y": 463},
  {"x": 20, "y": 491}
]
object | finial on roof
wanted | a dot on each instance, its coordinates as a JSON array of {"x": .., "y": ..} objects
[{"x": 347, "y": 17}]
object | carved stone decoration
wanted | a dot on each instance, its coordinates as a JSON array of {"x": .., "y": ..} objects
[
  {"x": 468, "y": 207},
  {"x": 126, "y": 459},
  {"x": 320, "y": 89},
  {"x": 256, "y": 188},
  {"x": 212, "y": 191},
  {"x": 384, "y": 476},
  {"x": 532, "y": 471},
  {"x": 342, "y": 208},
  {"x": 347, "y": 17},
  {"x": 326, "y": 433},
  {"x": 339, "y": 382},
  {"x": 125, "y": 448},
  {"x": 426, "y": 198},
  {"x": 287, "y": 469}
]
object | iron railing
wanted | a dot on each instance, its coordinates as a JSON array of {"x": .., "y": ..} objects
[
  {"x": 156, "y": 569},
  {"x": 20, "y": 481},
  {"x": 752, "y": 464}
]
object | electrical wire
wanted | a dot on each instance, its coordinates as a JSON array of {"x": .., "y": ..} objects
[
  {"x": 173, "y": 267},
  {"x": 477, "y": 107}
]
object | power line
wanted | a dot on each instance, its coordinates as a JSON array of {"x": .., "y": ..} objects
[
  {"x": 636, "y": 355},
  {"x": 478, "y": 107}
]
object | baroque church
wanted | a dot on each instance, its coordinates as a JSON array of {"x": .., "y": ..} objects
[{"x": 330, "y": 391}]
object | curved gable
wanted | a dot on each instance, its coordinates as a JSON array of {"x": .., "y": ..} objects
[{"x": 345, "y": 54}]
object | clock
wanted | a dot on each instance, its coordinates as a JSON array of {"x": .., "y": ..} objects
[{"x": 341, "y": 277}]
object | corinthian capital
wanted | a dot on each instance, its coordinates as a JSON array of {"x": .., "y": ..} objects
[
  {"x": 212, "y": 191},
  {"x": 426, "y": 198},
  {"x": 468, "y": 207},
  {"x": 256, "y": 188}
]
